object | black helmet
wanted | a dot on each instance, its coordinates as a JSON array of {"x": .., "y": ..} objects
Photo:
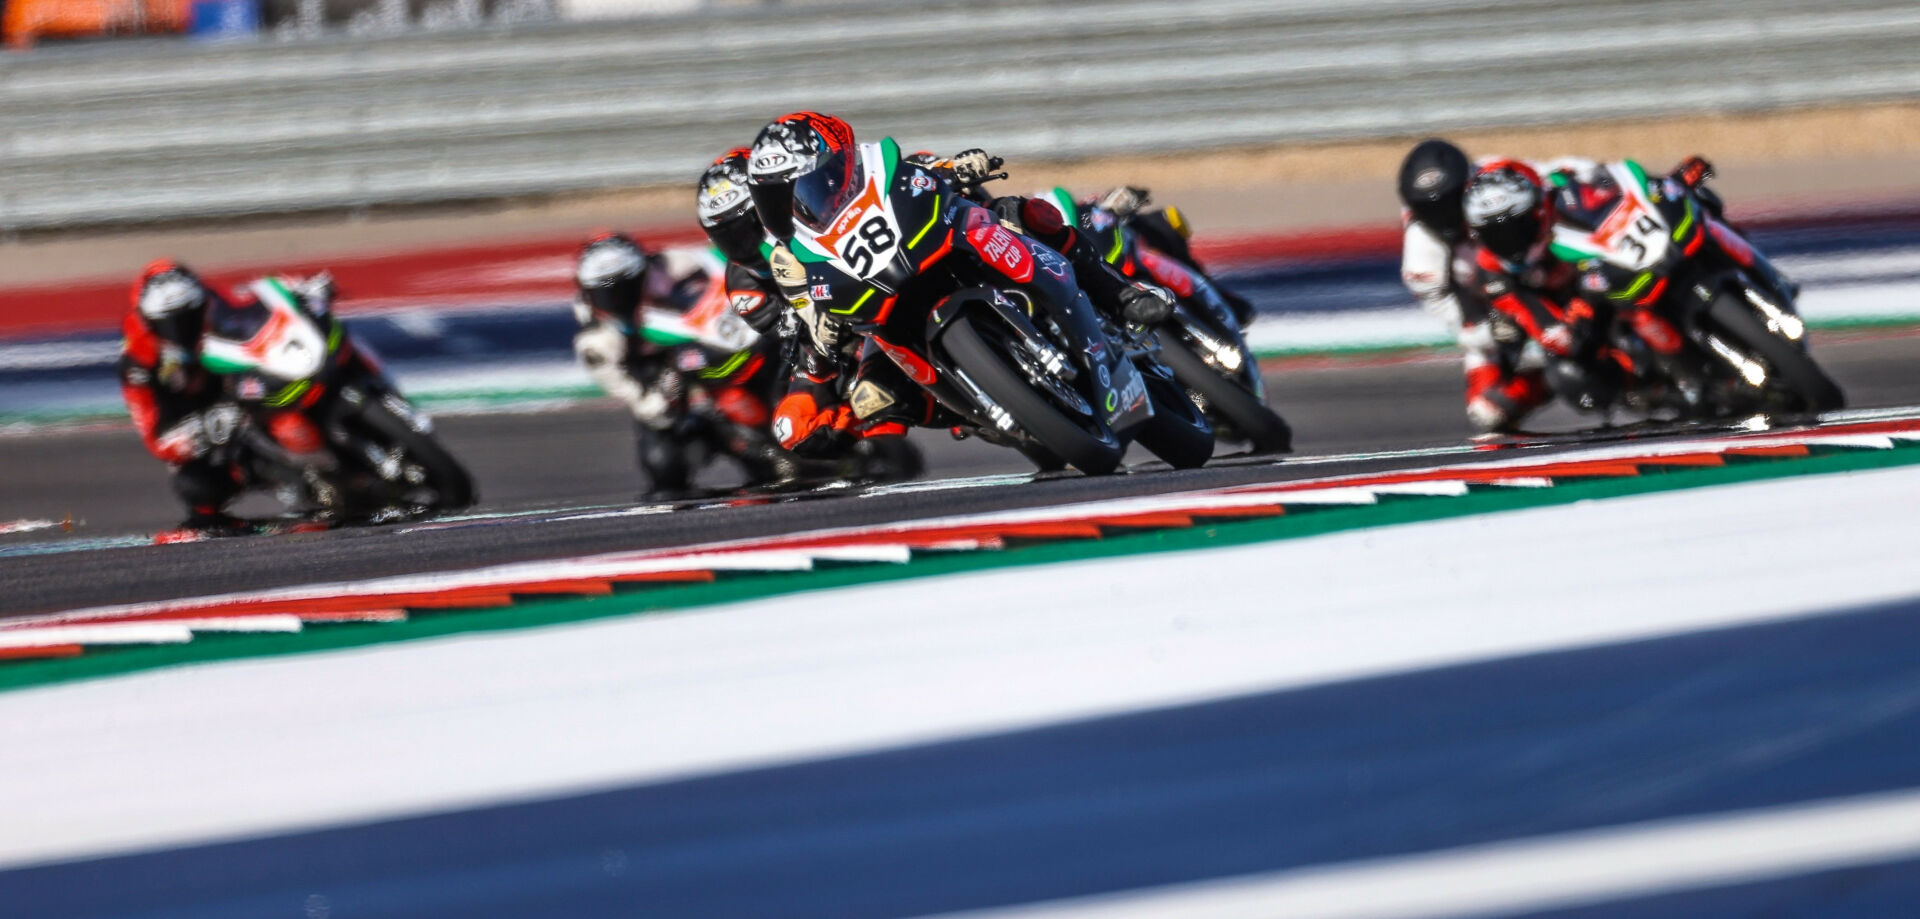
[
  {"x": 793, "y": 147},
  {"x": 1432, "y": 179},
  {"x": 725, "y": 209}
]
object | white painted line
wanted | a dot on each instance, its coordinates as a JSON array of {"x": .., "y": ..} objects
[
  {"x": 1540, "y": 873},
  {"x": 1523, "y": 481},
  {"x": 877, "y": 552},
  {"x": 266, "y": 623},
  {"x": 643, "y": 511},
  {"x": 979, "y": 481},
  {"x": 10, "y": 527},
  {"x": 1437, "y": 488},
  {"x": 117, "y": 633}
]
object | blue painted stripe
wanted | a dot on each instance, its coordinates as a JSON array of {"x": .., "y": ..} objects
[{"x": 1698, "y": 724}]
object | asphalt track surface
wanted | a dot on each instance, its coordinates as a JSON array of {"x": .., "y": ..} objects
[{"x": 583, "y": 457}]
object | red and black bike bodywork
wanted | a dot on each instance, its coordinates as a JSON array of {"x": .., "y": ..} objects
[
  {"x": 1698, "y": 320},
  {"x": 1201, "y": 341},
  {"x": 277, "y": 354},
  {"x": 989, "y": 322}
]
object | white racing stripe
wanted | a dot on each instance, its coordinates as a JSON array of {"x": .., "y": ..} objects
[
  {"x": 481, "y": 718},
  {"x": 1541, "y": 873}
]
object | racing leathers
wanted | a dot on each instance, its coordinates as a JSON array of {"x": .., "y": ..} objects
[
  {"x": 663, "y": 334},
  {"x": 1504, "y": 380},
  {"x": 179, "y": 408}
]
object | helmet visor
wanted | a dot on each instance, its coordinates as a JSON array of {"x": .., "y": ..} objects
[
  {"x": 1511, "y": 238},
  {"x": 738, "y": 239},
  {"x": 822, "y": 194}
]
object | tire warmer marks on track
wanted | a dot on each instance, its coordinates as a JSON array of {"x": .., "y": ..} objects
[{"x": 877, "y": 550}]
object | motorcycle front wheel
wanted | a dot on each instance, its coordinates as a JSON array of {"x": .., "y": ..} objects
[
  {"x": 449, "y": 481},
  {"x": 1242, "y": 410},
  {"x": 1793, "y": 364},
  {"x": 1094, "y": 452}
]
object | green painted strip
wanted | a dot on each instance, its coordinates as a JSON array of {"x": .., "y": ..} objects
[
  {"x": 1639, "y": 175},
  {"x": 890, "y": 160},
  {"x": 1298, "y": 522},
  {"x": 219, "y": 364},
  {"x": 1569, "y": 254}
]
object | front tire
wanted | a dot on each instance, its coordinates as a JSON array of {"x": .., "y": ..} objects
[
  {"x": 1262, "y": 426},
  {"x": 1816, "y": 390},
  {"x": 450, "y": 481},
  {"x": 1091, "y": 453}
]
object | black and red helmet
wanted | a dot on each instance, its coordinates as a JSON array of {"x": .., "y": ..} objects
[
  {"x": 799, "y": 166},
  {"x": 724, "y": 205},
  {"x": 1509, "y": 213},
  {"x": 172, "y": 302}
]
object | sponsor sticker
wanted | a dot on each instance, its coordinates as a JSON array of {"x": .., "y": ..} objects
[{"x": 820, "y": 292}]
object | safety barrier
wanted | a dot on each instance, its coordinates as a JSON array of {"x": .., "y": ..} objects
[{"x": 101, "y": 135}]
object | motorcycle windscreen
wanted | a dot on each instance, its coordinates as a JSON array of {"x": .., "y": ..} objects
[{"x": 820, "y": 195}]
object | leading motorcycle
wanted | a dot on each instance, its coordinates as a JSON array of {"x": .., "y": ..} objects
[{"x": 988, "y": 322}]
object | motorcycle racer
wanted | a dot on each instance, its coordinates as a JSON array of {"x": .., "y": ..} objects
[
  {"x": 1569, "y": 303},
  {"x": 724, "y": 208},
  {"x": 179, "y": 407},
  {"x": 1503, "y": 381},
  {"x": 689, "y": 399},
  {"x": 802, "y": 163}
]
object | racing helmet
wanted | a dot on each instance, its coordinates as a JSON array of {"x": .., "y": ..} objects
[
  {"x": 725, "y": 208},
  {"x": 172, "y": 302},
  {"x": 1509, "y": 213},
  {"x": 1433, "y": 179},
  {"x": 611, "y": 273},
  {"x": 800, "y": 165}
]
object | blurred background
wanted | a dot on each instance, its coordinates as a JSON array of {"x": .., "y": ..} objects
[{"x": 445, "y": 159}]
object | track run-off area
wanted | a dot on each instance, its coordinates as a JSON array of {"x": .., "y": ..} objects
[{"x": 1647, "y": 672}]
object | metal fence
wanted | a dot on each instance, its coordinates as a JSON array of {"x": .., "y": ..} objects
[{"x": 195, "y": 131}]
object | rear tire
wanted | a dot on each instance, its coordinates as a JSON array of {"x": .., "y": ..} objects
[
  {"x": 448, "y": 479},
  {"x": 1262, "y": 426},
  {"x": 1040, "y": 419},
  {"x": 1817, "y": 391},
  {"x": 1177, "y": 433}
]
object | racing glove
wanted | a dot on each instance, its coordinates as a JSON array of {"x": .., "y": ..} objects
[
  {"x": 1124, "y": 202},
  {"x": 974, "y": 165},
  {"x": 1144, "y": 303},
  {"x": 1692, "y": 171},
  {"x": 184, "y": 441}
]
